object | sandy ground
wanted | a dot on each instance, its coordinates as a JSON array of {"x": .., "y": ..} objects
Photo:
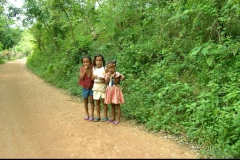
[{"x": 38, "y": 120}]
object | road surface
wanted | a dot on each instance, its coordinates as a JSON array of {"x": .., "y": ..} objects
[{"x": 38, "y": 120}]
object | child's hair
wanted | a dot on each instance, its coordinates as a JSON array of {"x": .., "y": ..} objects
[
  {"x": 98, "y": 55},
  {"x": 114, "y": 62},
  {"x": 90, "y": 59}
]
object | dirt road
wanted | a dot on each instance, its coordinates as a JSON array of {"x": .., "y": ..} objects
[{"x": 38, "y": 120}]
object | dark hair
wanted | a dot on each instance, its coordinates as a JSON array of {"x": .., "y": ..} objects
[
  {"x": 98, "y": 55},
  {"x": 90, "y": 59},
  {"x": 114, "y": 62}
]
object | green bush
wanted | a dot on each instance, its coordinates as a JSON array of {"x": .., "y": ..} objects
[{"x": 181, "y": 62}]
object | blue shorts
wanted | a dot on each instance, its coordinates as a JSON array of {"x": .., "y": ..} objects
[{"x": 87, "y": 92}]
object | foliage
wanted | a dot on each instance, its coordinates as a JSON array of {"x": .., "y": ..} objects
[
  {"x": 180, "y": 59},
  {"x": 1, "y": 60},
  {"x": 10, "y": 34}
]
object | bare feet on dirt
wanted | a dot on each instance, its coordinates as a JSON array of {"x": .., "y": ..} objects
[{"x": 38, "y": 120}]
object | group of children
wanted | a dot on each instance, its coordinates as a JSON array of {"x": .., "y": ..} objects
[{"x": 100, "y": 83}]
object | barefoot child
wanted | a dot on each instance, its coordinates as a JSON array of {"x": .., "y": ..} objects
[
  {"x": 114, "y": 94},
  {"x": 99, "y": 86},
  {"x": 86, "y": 82}
]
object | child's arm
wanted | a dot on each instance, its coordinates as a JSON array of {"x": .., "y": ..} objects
[
  {"x": 82, "y": 73},
  {"x": 94, "y": 76},
  {"x": 107, "y": 78},
  {"x": 119, "y": 75}
]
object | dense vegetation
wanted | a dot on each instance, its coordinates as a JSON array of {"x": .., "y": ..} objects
[
  {"x": 181, "y": 59},
  {"x": 14, "y": 42}
]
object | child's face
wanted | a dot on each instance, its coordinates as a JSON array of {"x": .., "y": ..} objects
[
  {"x": 99, "y": 62},
  {"x": 86, "y": 62},
  {"x": 111, "y": 68},
  {"x": 106, "y": 69}
]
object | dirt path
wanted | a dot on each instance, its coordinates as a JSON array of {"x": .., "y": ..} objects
[{"x": 38, "y": 120}]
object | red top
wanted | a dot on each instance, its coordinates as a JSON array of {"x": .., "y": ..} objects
[{"x": 87, "y": 82}]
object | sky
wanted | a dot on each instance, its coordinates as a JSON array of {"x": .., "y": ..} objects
[{"x": 16, "y": 3}]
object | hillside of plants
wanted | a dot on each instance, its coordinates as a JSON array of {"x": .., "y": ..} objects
[
  {"x": 180, "y": 58},
  {"x": 15, "y": 42}
]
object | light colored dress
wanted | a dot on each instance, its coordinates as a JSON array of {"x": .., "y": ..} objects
[
  {"x": 113, "y": 91},
  {"x": 99, "y": 88}
]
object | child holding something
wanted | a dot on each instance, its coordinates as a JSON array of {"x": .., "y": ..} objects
[
  {"x": 99, "y": 86},
  {"x": 114, "y": 95},
  {"x": 86, "y": 82}
]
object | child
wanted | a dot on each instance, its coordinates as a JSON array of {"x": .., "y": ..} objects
[
  {"x": 114, "y": 94},
  {"x": 99, "y": 86},
  {"x": 86, "y": 82}
]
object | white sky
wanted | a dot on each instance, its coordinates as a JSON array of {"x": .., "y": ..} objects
[{"x": 17, "y": 3}]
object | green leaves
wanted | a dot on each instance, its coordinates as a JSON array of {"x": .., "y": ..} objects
[
  {"x": 195, "y": 51},
  {"x": 180, "y": 58}
]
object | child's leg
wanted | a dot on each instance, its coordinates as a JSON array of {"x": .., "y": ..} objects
[
  {"x": 105, "y": 109},
  {"x": 85, "y": 98},
  {"x": 86, "y": 106},
  {"x": 98, "y": 108},
  {"x": 92, "y": 106},
  {"x": 118, "y": 112},
  {"x": 113, "y": 112}
]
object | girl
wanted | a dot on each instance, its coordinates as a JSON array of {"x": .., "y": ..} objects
[
  {"x": 86, "y": 82},
  {"x": 99, "y": 86},
  {"x": 114, "y": 94}
]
